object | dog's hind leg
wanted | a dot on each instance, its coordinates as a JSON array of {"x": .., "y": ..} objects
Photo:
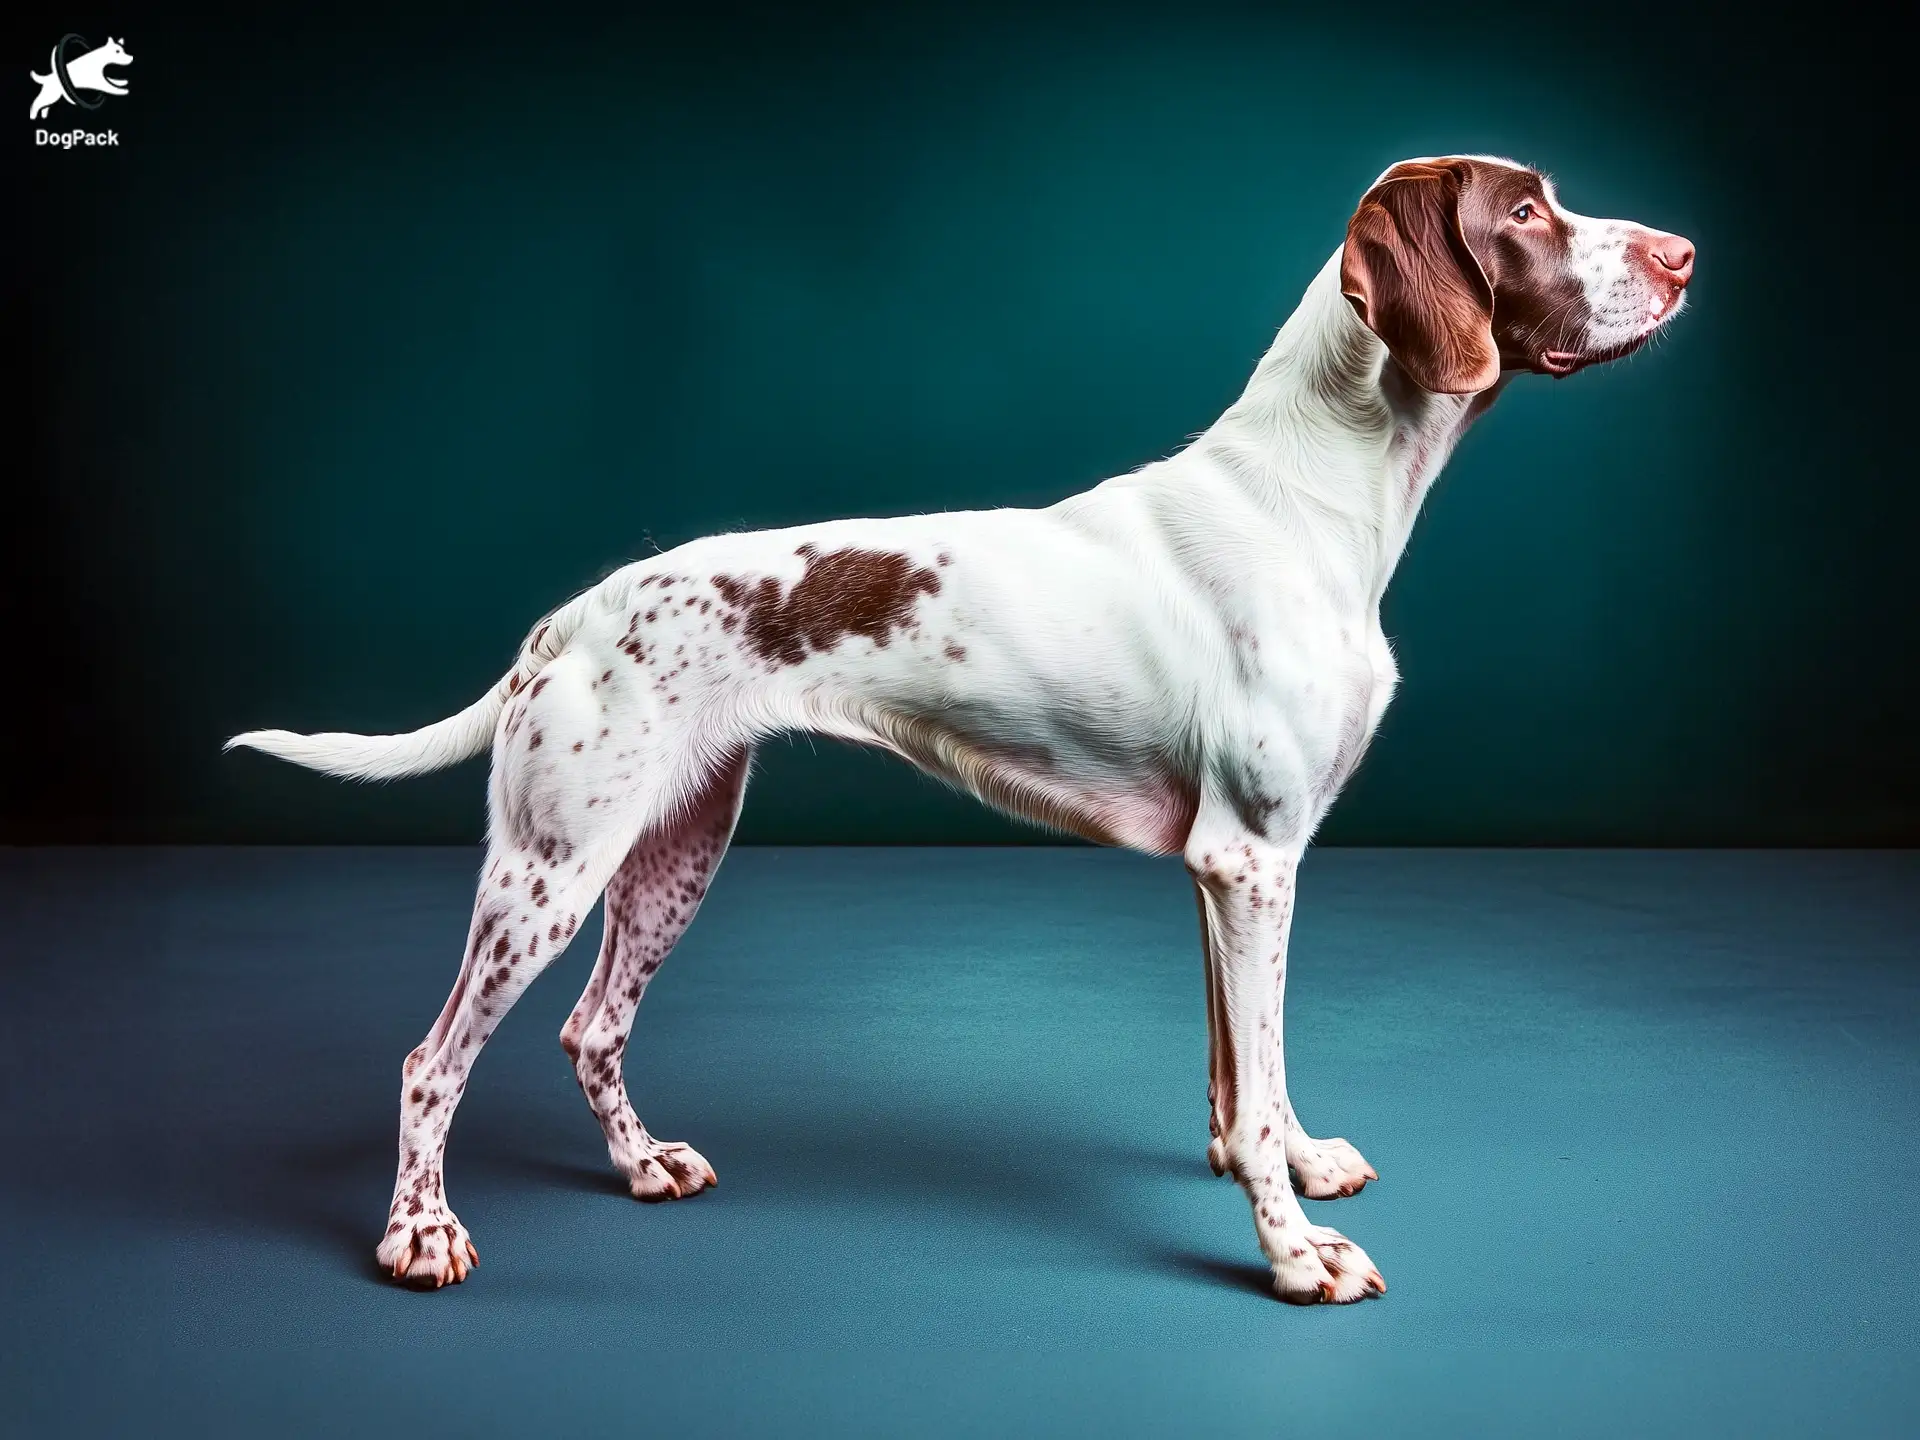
[
  {"x": 530, "y": 903},
  {"x": 562, "y": 820},
  {"x": 649, "y": 903}
]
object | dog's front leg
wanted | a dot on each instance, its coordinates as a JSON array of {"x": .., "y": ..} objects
[
  {"x": 1219, "y": 1048},
  {"x": 1322, "y": 1169},
  {"x": 1246, "y": 885}
]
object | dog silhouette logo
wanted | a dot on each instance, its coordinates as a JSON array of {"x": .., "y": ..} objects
[{"x": 76, "y": 74}]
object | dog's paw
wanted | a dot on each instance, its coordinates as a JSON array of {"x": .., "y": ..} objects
[
  {"x": 427, "y": 1250},
  {"x": 666, "y": 1170},
  {"x": 1323, "y": 1267},
  {"x": 1326, "y": 1169}
]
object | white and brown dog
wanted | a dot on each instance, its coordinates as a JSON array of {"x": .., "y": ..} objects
[{"x": 1185, "y": 660}]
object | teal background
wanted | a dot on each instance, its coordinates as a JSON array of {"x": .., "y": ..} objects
[{"x": 383, "y": 331}]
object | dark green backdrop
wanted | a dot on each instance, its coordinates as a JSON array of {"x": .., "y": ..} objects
[{"x": 382, "y": 332}]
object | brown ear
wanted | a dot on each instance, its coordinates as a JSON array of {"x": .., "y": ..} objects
[{"x": 1410, "y": 276}]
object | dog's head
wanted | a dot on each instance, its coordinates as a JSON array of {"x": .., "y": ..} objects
[{"x": 1467, "y": 265}]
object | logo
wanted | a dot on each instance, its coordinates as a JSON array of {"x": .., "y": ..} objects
[{"x": 78, "y": 77}]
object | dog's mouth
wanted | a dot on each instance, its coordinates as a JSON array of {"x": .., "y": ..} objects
[{"x": 1562, "y": 363}]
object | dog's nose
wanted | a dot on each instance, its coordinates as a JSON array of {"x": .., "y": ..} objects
[{"x": 1674, "y": 255}]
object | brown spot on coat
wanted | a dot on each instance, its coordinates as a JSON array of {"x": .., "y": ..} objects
[{"x": 870, "y": 593}]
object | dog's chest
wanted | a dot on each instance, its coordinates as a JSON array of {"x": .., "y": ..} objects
[{"x": 1311, "y": 694}]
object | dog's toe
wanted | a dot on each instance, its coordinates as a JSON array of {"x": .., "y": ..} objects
[
  {"x": 1326, "y": 1268},
  {"x": 1327, "y": 1169},
  {"x": 669, "y": 1171},
  {"x": 427, "y": 1251}
]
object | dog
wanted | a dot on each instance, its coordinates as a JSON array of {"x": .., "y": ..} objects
[
  {"x": 87, "y": 72},
  {"x": 1186, "y": 660}
]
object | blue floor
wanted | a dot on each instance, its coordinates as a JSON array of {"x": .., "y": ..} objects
[{"x": 1648, "y": 1126}]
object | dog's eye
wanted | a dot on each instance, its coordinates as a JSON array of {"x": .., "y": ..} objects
[{"x": 1523, "y": 212}]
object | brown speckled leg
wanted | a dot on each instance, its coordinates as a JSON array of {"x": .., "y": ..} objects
[
  {"x": 1247, "y": 894},
  {"x": 563, "y": 811},
  {"x": 529, "y": 907},
  {"x": 649, "y": 903}
]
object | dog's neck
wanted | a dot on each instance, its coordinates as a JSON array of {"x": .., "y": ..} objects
[{"x": 1333, "y": 437}]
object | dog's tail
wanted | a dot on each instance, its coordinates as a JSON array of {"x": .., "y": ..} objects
[{"x": 447, "y": 742}]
